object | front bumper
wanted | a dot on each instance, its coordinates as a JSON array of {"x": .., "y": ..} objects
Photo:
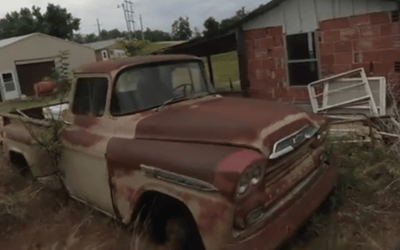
[{"x": 282, "y": 220}]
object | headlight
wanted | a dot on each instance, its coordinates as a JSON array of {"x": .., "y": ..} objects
[
  {"x": 251, "y": 177},
  {"x": 256, "y": 175},
  {"x": 244, "y": 182}
]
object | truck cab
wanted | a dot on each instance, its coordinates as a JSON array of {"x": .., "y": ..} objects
[{"x": 148, "y": 141}]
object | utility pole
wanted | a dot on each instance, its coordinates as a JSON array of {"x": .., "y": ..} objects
[
  {"x": 141, "y": 26},
  {"x": 127, "y": 22},
  {"x": 128, "y": 13},
  {"x": 98, "y": 26}
]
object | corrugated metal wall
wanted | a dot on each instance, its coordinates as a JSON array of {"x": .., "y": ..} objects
[{"x": 299, "y": 16}]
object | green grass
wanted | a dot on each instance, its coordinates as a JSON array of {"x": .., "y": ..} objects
[
  {"x": 225, "y": 68},
  {"x": 153, "y": 47}
]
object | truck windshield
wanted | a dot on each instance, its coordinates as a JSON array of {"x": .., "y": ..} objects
[{"x": 151, "y": 86}]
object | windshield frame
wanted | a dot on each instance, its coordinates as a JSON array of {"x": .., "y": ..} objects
[{"x": 116, "y": 78}]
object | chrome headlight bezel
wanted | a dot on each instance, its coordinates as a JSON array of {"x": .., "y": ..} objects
[{"x": 251, "y": 177}]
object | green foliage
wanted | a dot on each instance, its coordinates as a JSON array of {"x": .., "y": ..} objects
[
  {"x": 50, "y": 140},
  {"x": 181, "y": 29},
  {"x": 196, "y": 33},
  {"x": 133, "y": 47},
  {"x": 150, "y": 35},
  {"x": 363, "y": 166},
  {"x": 56, "y": 21},
  {"x": 61, "y": 75},
  {"x": 154, "y": 35},
  {"x": 211, "y": 26},
  {"x": 225, "y": 23}
]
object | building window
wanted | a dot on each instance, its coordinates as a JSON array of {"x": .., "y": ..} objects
[
  {"x": 302, "y": 59},
  {"x": 8, "y": 81},
  {"x": 104, "y": 55}
]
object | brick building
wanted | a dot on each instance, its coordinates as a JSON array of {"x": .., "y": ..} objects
[{"x": 286, "y": 44}]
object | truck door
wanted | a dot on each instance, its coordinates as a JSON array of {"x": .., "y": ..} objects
[{"x": 85, "y": 139}]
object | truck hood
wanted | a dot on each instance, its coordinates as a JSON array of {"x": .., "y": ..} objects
[{"x": 225, "y": 121}]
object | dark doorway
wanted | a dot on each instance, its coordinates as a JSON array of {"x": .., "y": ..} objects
[{"x": 29, "y": 74}]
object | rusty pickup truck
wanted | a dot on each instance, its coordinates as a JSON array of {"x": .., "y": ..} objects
[{"x": 147, "y": 140}]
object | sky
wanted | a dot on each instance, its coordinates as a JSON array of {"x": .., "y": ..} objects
[{"x": 156, "y": 14}]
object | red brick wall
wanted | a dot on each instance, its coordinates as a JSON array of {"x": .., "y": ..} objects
[
  {"x": 265, "y": 55},
  {"x": 371, "y": 41}
]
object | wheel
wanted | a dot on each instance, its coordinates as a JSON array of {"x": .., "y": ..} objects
[{"x": 162, "y": 222}]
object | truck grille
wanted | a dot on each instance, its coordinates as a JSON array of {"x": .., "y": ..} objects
[
  {"x": 293, "y": 141},
  {"x": 280, "y": 167}
]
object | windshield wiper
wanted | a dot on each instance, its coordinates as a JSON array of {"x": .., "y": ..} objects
[
  {"x": 181, "y": 98},
  {"x": 170, "y": 101}
]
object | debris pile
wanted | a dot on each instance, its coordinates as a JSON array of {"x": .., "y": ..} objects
[{"x": 357, "y": 105}]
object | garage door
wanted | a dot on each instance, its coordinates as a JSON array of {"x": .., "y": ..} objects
[{"x": 29, "y": 74}]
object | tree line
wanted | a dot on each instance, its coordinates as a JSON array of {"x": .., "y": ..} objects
[
  {"x": 150, "y": 35},
  {"x": 57, "y": 21}
]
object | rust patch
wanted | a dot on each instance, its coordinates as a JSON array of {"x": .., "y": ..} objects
[
  {"x": 198, "y": 161},
  {"x": 84, "y": 121},
  {"x": 81, "y": 137},
  {"x": 290, "y": 218},
  {"x": 107, "y": 67},
  {"x": 233, "y": 121},
  {"x": 211, "y": 213}
]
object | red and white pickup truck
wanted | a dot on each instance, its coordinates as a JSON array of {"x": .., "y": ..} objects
[{"x": 148, "y": 139}]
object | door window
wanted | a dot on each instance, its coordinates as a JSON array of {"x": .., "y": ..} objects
[{"x": 90, "y": 96}]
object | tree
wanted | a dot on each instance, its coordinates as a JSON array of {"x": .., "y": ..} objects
[
  {"x": 181, "y": 29},
  {"x": 156, "y": 35},
  {"x": 78, "y": 38},
  {"x": 59, "y": 22},
  {"x": 91, "y": 38},
  {"x": 197, "y": 33},
  {"x": 233, "y": 19},
  {"x": 133, "y": 47},
  {"x": 56, "y": 21},
  {"x": 211, "y": 26}
]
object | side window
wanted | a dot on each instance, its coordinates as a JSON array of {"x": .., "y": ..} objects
[
  {"x": 104, "y": 55},
  {"x": 8, "y": 82},
  {"x": 90, "y": 96}
]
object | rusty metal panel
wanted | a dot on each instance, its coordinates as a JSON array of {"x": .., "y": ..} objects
[{"x": 106, "y": 67}]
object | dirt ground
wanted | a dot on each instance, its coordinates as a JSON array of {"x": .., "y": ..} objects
[
  {"x": 37, "y": 216},
  {"x": 40, "y": 217}
]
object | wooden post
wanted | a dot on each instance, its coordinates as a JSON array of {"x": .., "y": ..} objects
[{"x": 210, "y": 70}]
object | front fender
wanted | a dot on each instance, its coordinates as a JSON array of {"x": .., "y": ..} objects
[{"x": 214, "y": 164}]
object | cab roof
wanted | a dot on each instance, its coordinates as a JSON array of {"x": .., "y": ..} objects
[{"x": 106, "y": 67}]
